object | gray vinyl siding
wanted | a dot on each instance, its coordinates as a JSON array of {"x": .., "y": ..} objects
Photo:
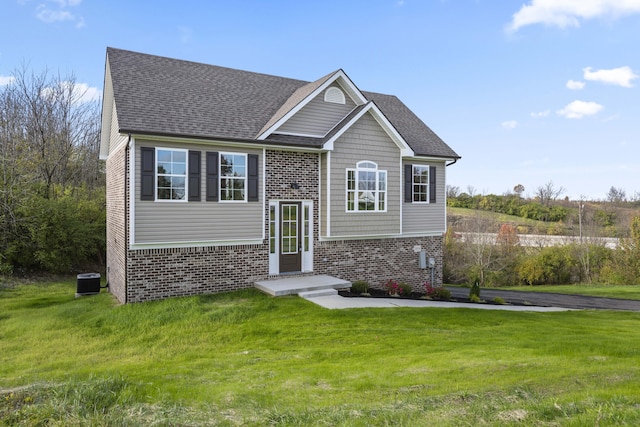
[
  {"x": 427, "y": 218},
  {"x": 173, "y": 222},
  {"x": 365, "y": 140},
  {"x": 317, "y": 117}
]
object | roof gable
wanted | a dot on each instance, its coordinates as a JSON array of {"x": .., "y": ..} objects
[
  {"x": 370, "y": 107},
  {"x": 305, "y": 94}
]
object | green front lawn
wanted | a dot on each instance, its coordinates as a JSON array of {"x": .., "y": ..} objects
[{"x": 244, "y": 358}]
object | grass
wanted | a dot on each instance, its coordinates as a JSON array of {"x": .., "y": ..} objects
[
  {"x": 244, "y": 358},
  {"x": 499, "y": 218}
]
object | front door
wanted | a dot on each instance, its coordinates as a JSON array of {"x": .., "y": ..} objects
[{"x": 290, "y": 233}]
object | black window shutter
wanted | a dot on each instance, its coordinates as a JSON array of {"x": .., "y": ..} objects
[
  {"x": 147, "y": 173},
  {"x": 432, "y": 184},
  {"x": 253, "y": 177},
  {"x": 408, "y": 183},
  {"x": 212, "y": 176},
  {"x": 194, "y": 176}
]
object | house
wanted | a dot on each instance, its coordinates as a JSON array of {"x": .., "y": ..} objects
[{"x": 218, "y": 178}]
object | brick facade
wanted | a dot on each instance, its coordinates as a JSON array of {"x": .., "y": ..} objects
[
  {"x": 378, "y": 260},
  {"x": 160, "y": 273}
]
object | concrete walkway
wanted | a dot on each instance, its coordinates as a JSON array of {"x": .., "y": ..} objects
[
  {"x": 322, "y": 290},
  {"x": 338, "y": 302}
]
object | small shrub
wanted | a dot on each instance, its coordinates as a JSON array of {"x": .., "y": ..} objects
[
  {"x": 475, "y": 290},
  {"x": 437, "y": 292},
  {"x": 360, "y": 287},
  {"x": 392, "y": 287},
  {"x": 499, "y": 300},
  {"x": 441, "y": 293},
  {"x": 474, "y": 298},
  {"x": 405, "y": 288}
]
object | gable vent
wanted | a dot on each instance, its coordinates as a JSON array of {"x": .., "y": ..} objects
[{"x": 335, "y": 95}]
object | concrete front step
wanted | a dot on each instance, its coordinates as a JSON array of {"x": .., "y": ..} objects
[
  {"x": 298, "y": 284},
  {"x": 318, "y": 293}
]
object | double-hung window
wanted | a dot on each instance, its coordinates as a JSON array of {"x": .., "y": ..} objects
[
  {"x": 420, "y": 184},
  {"x": 366, "y": 188},
  {"x": 233, "y": 177},
  {"x": 171, "y": 174}
]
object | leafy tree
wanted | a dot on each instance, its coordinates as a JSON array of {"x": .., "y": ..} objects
[
  {"x": 51, "y": 178},
  {"x": 518, "y": 189}
]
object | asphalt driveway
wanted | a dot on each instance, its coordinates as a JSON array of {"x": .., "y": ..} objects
[{"x": 546, "y": 299}]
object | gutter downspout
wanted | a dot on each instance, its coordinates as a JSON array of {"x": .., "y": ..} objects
[
  {"x": 126, "y": 218},
  {"x": 452, "y": 163}
]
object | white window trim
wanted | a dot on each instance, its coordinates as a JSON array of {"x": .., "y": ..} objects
[
  {"x": 221, "y": 177},
  {"x": 186, "y": 176},
  {"x": 377, "y": 190},
  {"x": 426, "y": 202}
]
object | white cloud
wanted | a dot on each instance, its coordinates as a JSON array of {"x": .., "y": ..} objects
[
  {"x": 510, "y": 124},
  {"x": 6, "y": 80},
  {"x": 541, "y": 114},
  {"x": 59, "y": 12},
  {"x": 86, "y": 93},
  {"x": 616, "y": 76},
  {"x": 81, "y": 92},
  {"x": 574, "y": 85},
  {"x": 580, "y": 109},
  {"x": 48, "y": 16},
  {"x": 569, "y": 13}
]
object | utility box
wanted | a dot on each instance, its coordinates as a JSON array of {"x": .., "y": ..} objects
[
  {"x": 431, "y": 262},
  {"x": 422, "y": 260},
  {"x": 87, "y": 284}
]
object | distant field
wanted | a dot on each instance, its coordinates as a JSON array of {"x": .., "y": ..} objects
[{"x": 243, "y": 358}]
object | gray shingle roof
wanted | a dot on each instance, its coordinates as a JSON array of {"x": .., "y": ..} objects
[{"x": 158, "y": 95}]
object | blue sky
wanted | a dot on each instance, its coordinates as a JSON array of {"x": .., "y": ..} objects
[{"x": 526, "y": 91}]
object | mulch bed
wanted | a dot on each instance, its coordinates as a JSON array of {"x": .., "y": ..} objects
[{"x": 379, "y": 293}]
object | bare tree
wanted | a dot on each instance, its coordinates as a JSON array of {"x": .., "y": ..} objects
[
  {"x": 616, "y": 196},
  {"x": 548, "y": 193},
  {"x": 471, "y": 190},
  {"x": 59, "y": 129},
  {"x": 452, "y": 191}
]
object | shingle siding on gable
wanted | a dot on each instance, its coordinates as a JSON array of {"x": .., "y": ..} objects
[
  {"x": 317, "y": 117},
  {"x": 365, "y": 140},
  {"x": 196, "y": 221},
  {"x": 426, "y": 218}
]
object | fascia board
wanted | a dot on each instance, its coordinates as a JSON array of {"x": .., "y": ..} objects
[
  {"x": 405, "y": 150},
  {"x": 107, "y": 114},
  {"x": 353, "y": 91}
]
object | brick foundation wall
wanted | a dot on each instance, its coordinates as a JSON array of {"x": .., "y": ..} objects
[
  {"x": 116, "y": 219},
  {"x": 379, "y": 260},
  {"x": 162, "y": 273}
]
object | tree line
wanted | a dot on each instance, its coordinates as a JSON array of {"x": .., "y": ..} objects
[{"x": 52, "y": 185}]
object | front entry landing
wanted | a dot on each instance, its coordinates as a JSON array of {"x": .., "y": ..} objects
[{"x": 296, "y": 285}]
